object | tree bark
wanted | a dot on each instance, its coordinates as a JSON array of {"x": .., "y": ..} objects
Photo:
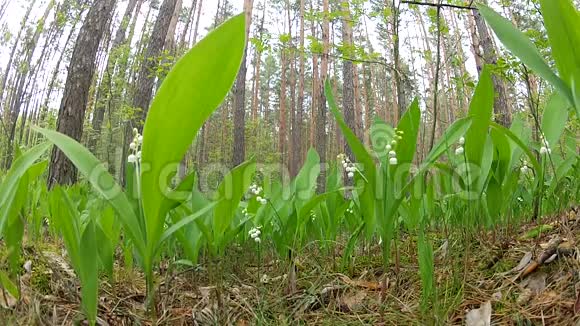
[
  {"x": 13, "y": 52},
  {"x": 501, "y": 109},
  {"x": 108, "y": 75},
  {"x": 239, "y": 144},
  {"x": 25, "y": 72},
  {"x": 186, "y": 28},
  {"x": 320, "y": 126},
  {"x": 348, "y": 76},
  {"x": 74, "y": 101}
]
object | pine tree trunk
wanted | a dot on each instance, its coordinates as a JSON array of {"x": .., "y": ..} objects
[
  {"x": 24, "y": 77},
  {"x": 146, "y": 77},
  {"x": 239, "y": 144},
  {"x": 348, "y": 77},
  {"x": 320, "y": 124},
  {"x": 186, "y": 28},
  {"x": 257, "y": 67},
  {"x": 108, "y": 75},
  {"x": 74, "y": 101},
  {"x": 13, "y": 52},
  {"x": 501, "y": 109},
  {"x": 197, "y": 22},
  {"x": 300, "y": 103}
]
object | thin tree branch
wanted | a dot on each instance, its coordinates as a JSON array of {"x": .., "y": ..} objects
[{"x": 439, "y": 5}]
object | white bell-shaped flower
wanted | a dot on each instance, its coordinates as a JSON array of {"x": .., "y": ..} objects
[
  {"x": 393, "y": 161},
  {"x": 132, "y": 158},
  {"x": 459, "y": 150}
]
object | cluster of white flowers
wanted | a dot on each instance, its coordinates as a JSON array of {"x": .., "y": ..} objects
[
  {"x": 245, "y": 212},
  {"x": 255, "y": 234},
  {"x": 460, "y": 150},
  {"x": 545, "y": 149},
  {"x": 350, "y": 210},
  {"x": 524, "y": 169},
  {"x": 312, "y": 216},
  {"x": 348, "y": 166},
  {"x": 390, "y": 148},
  {"x": 520, "y": 199},
  {"x": 256, "y": 191},
  {"x": 135, "y": 147}
]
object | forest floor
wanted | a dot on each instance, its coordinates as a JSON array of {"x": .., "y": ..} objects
[{"x": 528, "y": 279}]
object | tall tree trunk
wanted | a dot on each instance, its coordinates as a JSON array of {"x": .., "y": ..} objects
[
  {"x": 315, "y": 88},
  {"x": 106, "y": 84},
  {"x": 501, "y": 109},
  {"x": 197, "y": 21},
  {"x": 239, "y": 144},
  {"x": 300, "y": 103},
  {"x": 282, "y": 140},
  {"x": 13, "y": 52},
  {"x": 170, "y": 38},
  {"x": 293, "y": 154},
  {"x": 396, "y": 60},
  {"x": 74, "y": 100},
  {"x": 347, "y": 75},
  {"x": 24, "y": 74},
  {"x": 186, "y": 28},
  {"x": 257, "y": 66},
  {"x": 320, "y": 139},
  {"x": 150, "y": 62},
  {"x": 146, "y": 77}
]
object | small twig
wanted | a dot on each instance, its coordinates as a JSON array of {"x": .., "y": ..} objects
[{"x": 439, "y": 5}]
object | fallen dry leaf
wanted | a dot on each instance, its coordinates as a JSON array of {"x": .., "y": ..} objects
[
  {"x": 361, "y": 283},
  {"x": 524, "y": 297},
  {"x": 480, "y": 316},
  {"x": 7, "y": 301},
  {"x": 523, "y": 262},
  {"x": 353, "y": 302},
  {"x": 536, "y": 283}
]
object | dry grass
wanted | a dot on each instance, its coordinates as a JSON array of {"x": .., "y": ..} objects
[{"x": 364, "y": 295}]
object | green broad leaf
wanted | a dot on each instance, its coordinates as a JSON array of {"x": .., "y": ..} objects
[
  {"x": 426, "y": 269},
  {"x": 192, "y": 90},
  {"x": 503, "y": 155},
  {"x": 9, "y": 286},
  {"x": 554, "y": 118},
  {"x": 407, "y": 146},
  {"x": 9, "y": 187},
  {"x": 66, "y": 219},
  {"x": 304, "y": 185},
  {"x": 576, "y": 93},
  {"x": 521, "y": 131},
  {"x": 523, "y": 48},
  {"x": 101, "y": 180},
  {"x": 508, "y": 133},
  {"x": 15, "y": 225},
  {"x": 178, "y": 195},
  {"x": 105, "y": 252},
  {"x": 381, "y": 135},
  {"x": 230, "y": 192},
  {"x": 449, "y": 138},
  {"x": 89, "y": 272},
  {"x": 480, "y": 110},
  {"x": 367, "y": 196},
  {"x": 562, "y": 22},
  {"x": 185, "y": 221},
  {"x": 480, "y": 175}
]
